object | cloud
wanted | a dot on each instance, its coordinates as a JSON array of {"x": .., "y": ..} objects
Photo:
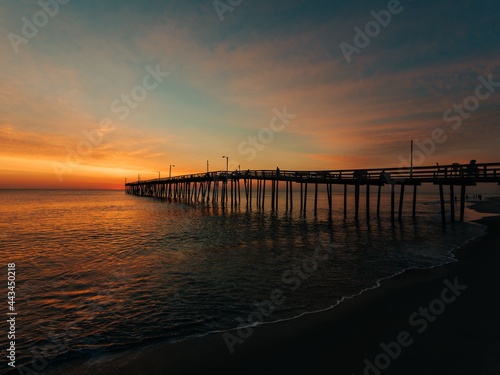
[{"x": 227, "y": 77}]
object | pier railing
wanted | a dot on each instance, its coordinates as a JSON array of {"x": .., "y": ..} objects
[
  {"x": 224, "y": 186},
  {"x": 485, "y": 172}
]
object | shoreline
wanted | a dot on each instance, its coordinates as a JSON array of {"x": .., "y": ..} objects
[{"x": 340, "y": 339}]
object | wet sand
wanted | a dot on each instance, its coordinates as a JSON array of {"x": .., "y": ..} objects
[{"x": 438, "y": 321}]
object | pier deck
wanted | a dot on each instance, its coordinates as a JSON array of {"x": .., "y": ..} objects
[{"x": 225, "y": 186}]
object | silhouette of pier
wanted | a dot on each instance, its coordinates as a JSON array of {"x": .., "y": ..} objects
[{"x": 226, "y": 187}]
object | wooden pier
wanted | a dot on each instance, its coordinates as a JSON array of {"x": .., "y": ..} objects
[{"x": 226, "y": 187}]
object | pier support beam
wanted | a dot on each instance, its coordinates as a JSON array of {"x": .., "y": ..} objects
[
  {"x": 330, "y": 198},
  {"x": 245, "y": 183},
  {"x": 392, "y": 202},
  {"x": 452, "y": 203},
  {"x": 258, "y": 193},
  {"x": 414, "y": 208},
  {"x": 250, "y": 182},
  {"x": 345, "y": 201},
  {"x": 233, "y": 194},
  {"x": 305, "y": 199},
  {"x": 263, "y": 192},
  {"x": 441, "y": 198},
  {"x": 273, "y": 195},
  {"x": 277, "y": 193},
  {"x": 315, "y": 199},
  {"x": 401, "y": 200},
  {"x": 462, "y": 203},
  {"x": 286, "y": 195},
  {"x": 378, "y": 200},
  {"x": 301, "y": 197},
  {"x": 356, "y": 201},
  {"x": 368, "y": 202}
]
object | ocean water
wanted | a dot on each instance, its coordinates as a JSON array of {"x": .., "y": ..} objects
[{"x": 101, "y": 271}]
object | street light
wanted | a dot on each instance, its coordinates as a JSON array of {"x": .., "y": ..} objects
[
  {"x": 227, "y": 162},
  {"x": 138, "y": 177},
  {"x": 158, "y": 174},
  {"x": 170, "y": 171}
]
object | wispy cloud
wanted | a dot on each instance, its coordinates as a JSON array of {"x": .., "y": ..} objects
[{"x": 226, "y": 77}]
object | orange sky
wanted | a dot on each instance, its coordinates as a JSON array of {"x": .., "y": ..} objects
[{"x": 118, "y": 90}]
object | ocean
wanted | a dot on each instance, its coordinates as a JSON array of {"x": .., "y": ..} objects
[{"x": 98, "y": 272}]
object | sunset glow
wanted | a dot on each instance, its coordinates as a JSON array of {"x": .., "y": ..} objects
[{"x": 104, "y": 91}]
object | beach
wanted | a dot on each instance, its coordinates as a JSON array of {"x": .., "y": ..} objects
[
  {"x": 250, "y": 187},
  {"x": 437, "y": 321}
]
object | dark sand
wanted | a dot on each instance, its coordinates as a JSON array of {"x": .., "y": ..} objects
[{"x": 464, "y": 338}]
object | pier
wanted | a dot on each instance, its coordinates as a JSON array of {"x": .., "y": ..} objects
[{"x": 233, "y": 188}]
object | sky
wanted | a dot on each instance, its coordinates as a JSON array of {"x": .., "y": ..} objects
[{"x": 96, "y": 92}]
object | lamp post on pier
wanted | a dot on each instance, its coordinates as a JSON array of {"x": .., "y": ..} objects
[
  {"x": 158, "y": 174},
  {"x": 170, "y": 171}
]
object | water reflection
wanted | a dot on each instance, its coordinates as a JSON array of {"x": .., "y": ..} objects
[{"x": 114, "y": 270}]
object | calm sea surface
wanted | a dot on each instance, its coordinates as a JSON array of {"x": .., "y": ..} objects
[{"x": 102, "y": 271}]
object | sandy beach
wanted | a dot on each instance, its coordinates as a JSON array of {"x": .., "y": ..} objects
[
  {"x": 437, "y": 321},
  {"x": 250, "y": 187}
]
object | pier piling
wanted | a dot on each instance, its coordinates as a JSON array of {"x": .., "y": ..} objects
[
  {"x": 224, "y": 187},
  {"x": 452, "y": 203}
]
